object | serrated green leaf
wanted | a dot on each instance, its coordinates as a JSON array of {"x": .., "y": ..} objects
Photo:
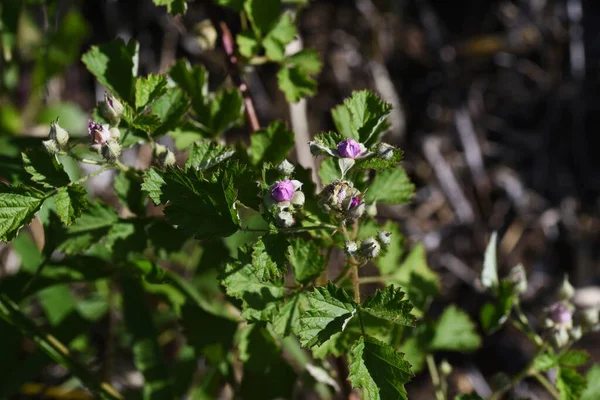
[
  {"x": 493, "y": 316},
  {"x": 173, "y": 6},
  {"x": 18, "y": 206},
  {"x": 278, "y": 37},
  {"x": 153, "y": 183},
  {"x": 201, "y": 207},
  {"x": 263, "y": 14},
  {"x": 246, "y": 184},
  {"x": 206, "y": 154},
  {"x": 271, "y": 145},
  {"x": 389, "y": 304},
  {"x": 256, "y": 280},
  {"x": 307, "y": 60},
  {"x": 306, "y": 260},
  {"x": 149, "y": 88},
  {"x": 113, "y": 65},
  {"x": 379, "y": 370},
  {"x": 329, "y": 311},
  {"x": 98, "y": 215},
  {"x": 295, "y": 83},
  {"x": 193, "y": 81},
  {"x": 362, "y": 117},
  {"x": 574, "y": 358},
  {"x": 414, "y": 353},
  {"x": 287, "y": 319},
  {"x": 57, "y": 302},
  {"x": 247, "y": 43},
  {"x": 169, "y": 108},
  {"x": 455, "y": 331},
  {"x": 592, "y": 392},
  {"x": 147, "y": 354},
  {"x": 329, "y": 171},
  {"x": 391, "y": 186},
  {"x": 71, "y": 201},
  {"x": 128, "y": 188},
  {"x": 377, "y": 163},
  {"x": 489, "y": 273},
  {"x": 44, "y": 169},
  {"x": 226, "y": 110},
  {"x": 570, "y": 384},
  {"x": 545, "y": 361}
]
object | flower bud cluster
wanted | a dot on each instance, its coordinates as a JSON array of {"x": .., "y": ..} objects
[
  {"x": 111, "y": 109},
  {"x": 370, "y": 247},
  {"x": 341, "y": 198},
  {"x": 163, "y": 156},
  {"x": 58, "y": 138},
  {"x": 105, "y": 140},
  {"x": 284, "y": 198},
  {"x": 560, "y": 317}
]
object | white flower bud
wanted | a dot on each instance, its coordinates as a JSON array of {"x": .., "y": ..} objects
[
  {"x": 384, "y": 237},
  {"x": 298, "y": 199},
  {"x": 518, "y": 278},
  {"x": 370, "y": 248},
  {"x": 59, "y": 135},
  {"x": 163, "y": 155},
  {"x": 566, "y": 290},
  {"x": 351, "y": 248},
  {"x": 575, "y": 333},
  {"x": 286, "y": 168},
  {"x": 385, "y": 151},
  {"x": 285, "y": 219},
  {"x": 111, "y": 151},
  {"x": 371, "y": 209},
  {"x": 445, "y": 368},
  {"x": 115, "y": 134},
  {"x": 51, "y": 146},
  {"x": 111, "y": 109},
  {"x": 559, "y": 337},
  {"x": 590, "y": 316}
]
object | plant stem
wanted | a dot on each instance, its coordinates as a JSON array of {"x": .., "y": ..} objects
[
  {"x": 546, "y": 384},
  {"x": 355, "y": 282},
  {"x": 435, "y": 378}
]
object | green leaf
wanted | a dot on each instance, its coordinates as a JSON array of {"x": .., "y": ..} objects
[
  {"x": 574, "y": 358},
  {"x": 307, "y": 60},
  {"x": 71, "y": 201},
  {"x": 279, "y": 37},
  {"x": 570, "y": 384},
  {"x": 207, "y": 154},
  {"x": 389, "y": 261},
  {"x": 545, "y": 361},
  {"x": 489, "y": 273},
  {"x": 330, "y": 309},
  {"x": 391, "y": 186},
  {"x": 237, "y": 5},
  {"x": 44, "y": 169},
  {"x": 455, "y": 331},
  {"x": 201, "y": 207},
  {"x": 173, "y": 6},
  {"x": 295, "y": 83},
  {"x": 263, "y": 14},
  {"x": 149, "y": 88},
  {"x": 193, "y": 81},
  {"x": 306, "y": 260},
  {"x": 377, "y": 163},
  {"x": 153, "y": 183},
  {"x": 379, "y": 370},
  {"x": 389, "y": 304},
  {"x": 414, "y": 353},
  {"x": 362, "y": 117},
  {"x": 57, "y": 303},
  {"x": 226, "y": 110},
  {"x": 18, "y": 206},
  {"x": 247, "y": 43},
  {"x": 113, "y": 65},
  {"x": 128, "y": 188},
  {"x": 271, "y": 144},
  {"x": 245, "y": 182},
  {"x": 169, "y": 108},
  {"x": 592, "y": 392},
  {"x": 493, "y": 316},
  {"x": 287, "y": 320},
  {"x": 329, "y": 171},
  {"x": 256, "y": 280},
  {"x": 147, "y": 354}
]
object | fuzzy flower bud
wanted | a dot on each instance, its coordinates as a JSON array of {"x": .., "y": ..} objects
[
  {"x": 351, "y": 248},
  {"x": 163, "y": 155},
  {"x": 111, "y": 108},
  {"x": 518, "y": 279},
  {"x": 298, "y": 199},
  {"x": 349, "y": 148},
  {"x": 285, "y": 219},
  {"x": 58, "y": 134},
  {"x": 111, "y": 151},
  {"x": 560, "y": 315},
  {"x": 286, "y": 168},
  {"x": 283, "y": 190},
  {"x": 559, "y": 337},
  {"x": 384, "y": 237},
  {"x": 385, "y": 151},
  {"x": 575, "y": 333},
  {"x": 99, "y": 134},
  {"x": 370, "y": 248},
  {"x": 51, "y": 146},
  {"x": 566, "y": 290},
  {"x": 115, "y": 134},
  {"x": 445, "y": 368},
  {"x": 590, "y": 316}
]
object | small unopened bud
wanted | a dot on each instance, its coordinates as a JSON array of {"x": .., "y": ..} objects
[
  {"x": 111, "y": 109},
  {"x": 285, "y": 219},
  {"x": 115, "y": 134},
  {"x": 111, "y": 151},
  {"x": 566, "y": 290},
  {"x": 51, "y": 146},
  {"x": 560, "y": 315},
  {"x": 286, "y": 168},
  {"x": 518, "y": 279},
  {"x": 445, "y": 368},
  {"x": 349, "y": 148},
  {"x": 384, "y": 237},
  {"x": 59, "y": 135},
  {"x": 351, "y": 248},
  {"x": 163, "y": 155},
  {"x": 559, "y": 337},
  {"x": 575, "y": 333},
  {"x": 298, "y": 199},
  {"x": 371, "y": 209},
  {"x": 590, "y": 317},
  {"x": 385, "y": 151},
  {"x": 370, "y": 248}
]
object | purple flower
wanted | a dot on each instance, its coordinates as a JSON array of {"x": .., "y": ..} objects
[
  {"x": 99, "y": 134},
  {"x": 349, "y": 148},
  {"x": 355, "y": 201},
  {"x": 283, "y": 190},
  {"x": 560, "y": 314}
]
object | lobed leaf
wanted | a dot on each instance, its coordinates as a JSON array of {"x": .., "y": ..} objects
[
  {"x": 271, "y": 145},
  {"x": 44, "y": 168},
  {"x": 389, "y": 304},
  {"x": 18, "y": 206},
  {"x": 71, "y": 201},
  {"x": 306, "y": 260},
  {"x": 391, "y": 186}
]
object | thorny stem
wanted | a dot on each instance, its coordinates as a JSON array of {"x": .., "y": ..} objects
[{"x": 435, "y": 378}]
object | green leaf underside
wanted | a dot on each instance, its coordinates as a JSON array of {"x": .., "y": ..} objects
[
  {"x": 330, "y": 310},
  {"x": 379, "y": 370},
  {"x": 149, "y": 88},
  {"x": 389, "y": 304}
]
